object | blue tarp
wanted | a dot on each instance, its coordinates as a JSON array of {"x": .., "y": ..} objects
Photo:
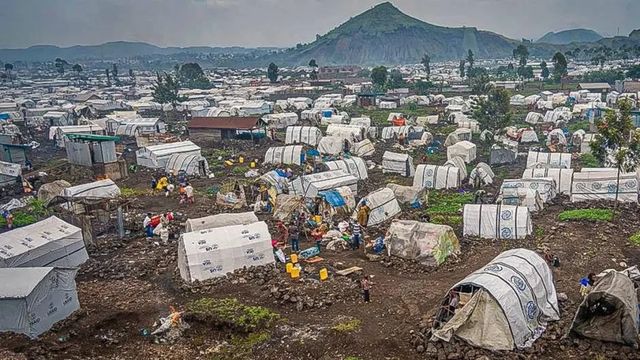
[
  {"x": 313, "y": 152},
  {"x": 333, "y": 198},
  {"x": 5, "y": 116}
]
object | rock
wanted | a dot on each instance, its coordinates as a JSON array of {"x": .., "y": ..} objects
[
  {"x": 453, "y": 356},
  {"x": 623, "y": 264},
  {"x": 299, "y": 306},
  {"x": 431, "y": 349},
  {"x": 420, "y": 349},
  {"x": 562, "y": 297}
]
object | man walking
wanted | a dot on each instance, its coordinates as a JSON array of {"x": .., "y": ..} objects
[
  {"x": 294, "y": 237},
  {"x": 365, "y": 283}
]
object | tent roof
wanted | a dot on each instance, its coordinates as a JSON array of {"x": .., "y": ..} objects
[
  {"x": 20, "y": 282},
  {"x": 242, "y": 123}
]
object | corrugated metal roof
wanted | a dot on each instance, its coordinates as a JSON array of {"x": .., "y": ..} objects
[{"x": 233, "y": 122}]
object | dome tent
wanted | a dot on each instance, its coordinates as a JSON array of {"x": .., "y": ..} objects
[
  {"x": 502, "y": 306},
  {"x": 496, "y": 221},
  {"x": 191, "y": 164},
  {"x": 383, "y": 205},
  {"x": 354, "y": 166},
  {"x": 546, "y": 187},
  {"x": 437, "y": 177},
  {"x": 303, "y": 135},
  {"x": 290, "y": 154}
]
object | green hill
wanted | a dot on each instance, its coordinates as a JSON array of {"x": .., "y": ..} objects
[{"x": 570, "y": 36}]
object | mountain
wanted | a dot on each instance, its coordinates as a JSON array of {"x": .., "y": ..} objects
[
  {"x": 570, "y": 36},
  {"x": 110, "y": 50},
  {"x": 385, "y": 35}
]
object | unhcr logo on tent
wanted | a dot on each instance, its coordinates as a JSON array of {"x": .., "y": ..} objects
[
  {"x": 52, "y": 309},
  {"x": 67, "y": 299},
  {"x": 532, "y": 310},
  {"x": 520, "y": 285},
  {"x": 493, "y": 268}
]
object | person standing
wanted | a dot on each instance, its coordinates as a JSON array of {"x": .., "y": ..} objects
[
  {"x": 356, "y": 236},
  {"x": 294, "y": 238},
  {"x": 8, "y": 218},
  {"x": 365, "y": 283},
  {"x": 189, "y": 192},
  {"x": 146, "y": 223}
]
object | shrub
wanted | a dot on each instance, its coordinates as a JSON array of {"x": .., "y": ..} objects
[
  {"x": 635, "y": 239},
  {"x": 586, "y": 214},
  {"x": 230, "y": 313},
  {"x": 588, "y": 160}
]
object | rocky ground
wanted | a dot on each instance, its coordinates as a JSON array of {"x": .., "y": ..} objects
[{"x": 129, "y": 283}]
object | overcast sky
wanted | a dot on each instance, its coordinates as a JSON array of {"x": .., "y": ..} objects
[{"x": 284, "y": 22}]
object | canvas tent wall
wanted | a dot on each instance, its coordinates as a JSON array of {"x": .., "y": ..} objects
[
  {"x": 464, "y": 149},
  {"x": 528, "y": 136},
  {"x": 458, "y": 162},
  {"x": 211, "y": 253},
  {"x": 220, "y": 220},
  {"x": 546, "y": 187},
  {"x": 157, "y": 156},
  {"x": 397, "y": 163},
  {"x": 562, "y": 177},
  {"x": 610, "y": 311},
  {"x": 101, "y": 189},
  {"x": 383, "y": 205},
  {"x": 521, "y": 197},
  {"x": 191, "y": 164},
  {"x": 481, "y": 175},
  {"x": 604, "y": 185},
  {"x": 390, "y": 132},
  {"x": 33, "y": 299},
  {"x": 428, "y": 244},
  {"x": 437, "y": 177},
  {"x": 331, "y": 145},
  {"x": 9, "y": 172},
  {"x": 364, "y": 148},
  {"x": 407, "y": 194},
  {"x": 50, "y": 242},
  {"x": 280, "y": 121},
  {"x": 309, "y": 185},
  {"x": 534, "y": 118},
  {"x": 353, "y": 165},
  {"x": 496, "y": 221},
  {"x": 346, "y": 131},
  {"x": 290, "y": 154},
  {"x": 309, "y": 135},
  {"x": 502, "y": 155},
  {"x": 508, "y": 303},
  {"x": 553, "y": 160}
]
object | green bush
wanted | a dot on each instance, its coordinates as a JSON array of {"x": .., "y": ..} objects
[
  {"x": 230, "y": 313},
  {"x": 586, "y": 214},
  {"x": 240, "y": 170},
  {"x": 635, "y": 239},
  {"x": 579, "y": 125},
  {"x": 32, "y": 213},
  {"x": 441, "y": 202},
  {"x": 588, "y": 160}
]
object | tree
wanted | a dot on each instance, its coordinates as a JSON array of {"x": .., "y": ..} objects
[
  {"x": 559, "y": 66},
  {"x": 114, "y": 72},
  {"x": 525, "y": 72},
  {"x": 545, "y": 70},
  {"x": 480, "y": 84},
  {"x": 77, "y": 68},
  {"x": 312, "y": 63},
  {"x": 608, "y": 76},
  {"x": 314, "y": 73},
  {"x": 379, "y": 76},
  {"x": 395, "y": 80},
  {"x": 426, "y": 62},
  {"x": 423, "y": 87},
  {"x": 521, "y": 53},
  {"x": 494, "y": 112},
  {"x": 165, "y": 90},
  {"x": 7, "y": 71},
  {"x": 618, "y": 142},
  {"x": 60, "y": 64},
  {"x": 461, "y": 68},
  {"x": 132, "y": 76},
  {"x": 272, "y": 73},
  {"x": 106, "y": 71},
  {"x": 192, "y": 76},
  {"x": 633, "y": 72},
  {"x": 470, "y": 59}
]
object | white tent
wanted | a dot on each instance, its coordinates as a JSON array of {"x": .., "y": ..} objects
[
  {"x": 346, "y": 131},
  {"x": 481, "y": 174},
  {"x": 496, "y": 221},
  {"x": 521, "y": 197},
  {"x": 534, "y": 118},
  {"x": 353, "y": 165},
  {"x": 191, "y": 164},
  {"x": 303, "y": 135},
  {"x": 458, "y": 162},
  {"x": 517, "y": 100},
  {"x": 464, "y": 149},
  {"x": 220, "y": 220},
  {"x": 9, "y": 172},
  {"x": 364, "y": 148},
  {"x": 50, "y": 242},
  {"x": 507, "y": 303},
  {"x": 309, "y": 185},
  {"x": 290, "y": 154},
  {"x": 451, "y": 139},
  {"x": 562, "y": 177},
  {"x": 553, "y": 160},
  {"x": 211, "y": 253},
  {"x": 528, "y": 136},
  {"x": 604, "y": 185},
  {"x": 390, "y": 132},
  {"x": 546, "y": 187},
  {"x": 157, "y": 156},
  {"x": 33, "y": 299},
  {"x": 406, "y": 194},
  {"x": 464, "y": 133},
  {"x": 427, "y": 120},
  {"x": 364, "y": 121},
  {"x": 331, "y": 145},
  {"x": 437, "y": 177},
  {"x": 428, "y": 244},
  {"x": 397, "y": 163},
  {"x": 585, "y": 145},
  {"x": 280, "y": 121},
  {"x": 383, "y": 205},
  {"x": 101, "y": 189},
  {"x": 556, "y": 136}
]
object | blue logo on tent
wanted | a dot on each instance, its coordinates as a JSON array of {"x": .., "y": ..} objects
[
  {"x": 596, "y": 186},
  {"x": 506, "y": 215},
  {"x": 532, "y": 310},
  {"x": 429, "y": 172},
  {"x": 612, "y": 188},
  {"x": 493, "y": 268},
  {"x": 428, "y": 184},
  {"x": 533, "y": 186},
  {"x": 630, "y": 184},
  {"x": 519, "y": 283},
  {"x": 505, "y": 233}
]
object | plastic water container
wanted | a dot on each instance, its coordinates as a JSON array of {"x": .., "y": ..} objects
[
  {"x": 228, "y": 163},
  {"x": 241, "y": 160},
  {"x": 252, "y": 164},
  {"x": 324, "y": 274},
  {"x": 289, "y": 267},
  {"x": 295, "y": 272},
  {"x": 294, "y": 258}
]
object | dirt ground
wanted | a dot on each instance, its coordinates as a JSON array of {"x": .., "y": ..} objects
[{"x": 129, "y": 283}]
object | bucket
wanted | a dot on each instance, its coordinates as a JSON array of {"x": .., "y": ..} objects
[
  {"x": 241, "y": 160},
  {"x": 324, "y": 274},
  {"x": 288, "y": 267},
  {"x": 252, "y": 164},
  {"x": 295, "y": 272},
  {"x": 294, "y": 258}
]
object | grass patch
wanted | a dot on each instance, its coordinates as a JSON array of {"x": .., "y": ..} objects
[
  {"x": 586, "y": 214},
  {"x": 127, "y": 192},
  {"x": 352, "y": 358},
  {"x": 579, "y": 125},
  {"x": 32, "y": 213},
  {"x": 588, "y": 160},
  {"x": 347, "y": 326},
  {"x": 442, "y": 219},
  {"x": 230, "y": 313},
  {"x": 240, "y": 170},
  {"x": 447, "y": 202},
  {"x": 635, "y": 239}
]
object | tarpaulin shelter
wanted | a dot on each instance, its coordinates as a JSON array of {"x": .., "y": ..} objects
[
  {"x": 546, "y": 187},
  {"x": 9, "y": 172},
  {"x": 437, "y": 177},
  {"x": 481, "y": 175},
  {"x": 363, "y": 148},
  {"x": 51, "y": 190},
  {"x": 391, "y": 132},
  {"x": 211, "y": 253},
  {"x": 281, "y": 120},
  {"x": 287, "y": 204},
  {"x": 610, "y": 311},
  {"x": 309, "y": 135},
  {"x": 190, "y": 164},
  {"x": 157, "y": 156},
  {"x": 552, "y": 160},
  {"x": 33, "y": 299},
  {"x": 397, "y": 163},
  {"x": 353, "y": 165},
  {"x": 502, "y": 306},
  {"x": 274, "y": 180},
  {"x": 528, "y": 136},
  {"x": 50, "y": 242},
  {"x": 496, "y": 221},
  {"x": 286, "y": 155},
  {"x": 521, "y": 197},
  {"x": 331, "y": 145},
  {"x": 101, "y": 189},
  {"x": 383, "y": 205},
  {"x": 464, "y": 149},
  {"x": 502, "y": 155},
  {"x": 347, "y": 131},
  {"x": 309, "y": 185},
  {"x": 534, "y": 118},
  {"x": 562, "y": 177},
  {"x": 220, "y": 220},
  {"x": 231, "y": 195},
  {"x": 407, "y": 194},
  {"x": 458, "y": 162},
  {"x": 428, "y": 244},
  {"x": 340, "y": 200},
  {"x": 604, "y": 185},
  {"x": 451, "y": 139}
]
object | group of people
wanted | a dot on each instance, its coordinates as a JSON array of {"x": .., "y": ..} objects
[{"x": 166, "y": 184}]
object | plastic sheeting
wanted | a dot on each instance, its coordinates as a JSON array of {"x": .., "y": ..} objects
[
  {"x": 290, "y": 154},
  {"x": 428, "y": 244},
  {"x": 521, "y": 197},
  {"x": 604, "y": 185},
  {"x": 383, "y": 205},
  {"x": 437, "y": 177},
  {"x": 331, "y": 145},
  {"x": 50, "y": 242},
  {"x": 101, "y": 189},
  {"x": 534, "y": 118},
  {"x": 33, "y": 299},
  {"x": 397, "y": 163},
  {"x": 157, "y": 156},
  {"x": 496, "y": 221},
  {"x": 303, "y": 135},
  {"x": 354, "y": 166},
  {"x": 309, "y": 185},
  {"x": 464, "y": 149},
  {"x": 520, "y": 284},
  {"x": 481, "y": 174},
  {"x": 458, "y": 162},
  {"x": 191, "y": 164},
  {"x": 546, "y": 187},
  {"x": 553, "y": 160},
  {"x": 364, "y": 148},
  {"x": 220, "y": 220},
  {"x": 346, "y": 131},
  {"x": 215, "y": 252},
  {"x": 562, "y": 177},
  {"x": 406, "y": 194},
  {"x": 390, "y": 132}
]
